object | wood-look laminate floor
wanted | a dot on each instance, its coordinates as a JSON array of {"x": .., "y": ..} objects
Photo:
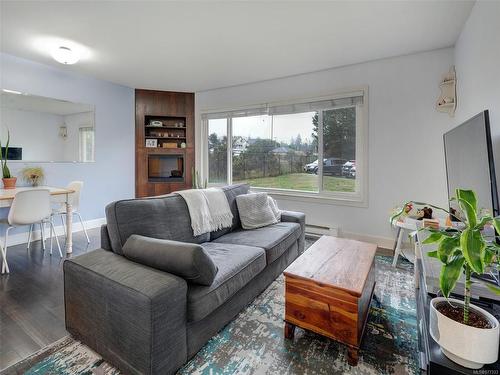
[{"x": 31, "y": 298}]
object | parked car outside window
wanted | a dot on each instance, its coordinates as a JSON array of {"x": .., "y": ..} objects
[
  {"x": 346, "y": 169},
  {"x": 311, "y": 167},
  {"x": 332, "y": 167}
]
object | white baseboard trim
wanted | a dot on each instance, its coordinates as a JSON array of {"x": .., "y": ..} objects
[
  {"x": 20, "y": 238},
  {"x": 383, "y": 242}
]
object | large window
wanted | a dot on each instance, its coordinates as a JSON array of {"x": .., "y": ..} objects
[{"x": 280, "y": 146}]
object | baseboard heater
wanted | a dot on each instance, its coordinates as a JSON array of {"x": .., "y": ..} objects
[{"x": 315, "y": 230}]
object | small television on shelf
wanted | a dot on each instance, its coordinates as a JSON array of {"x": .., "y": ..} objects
[{"x": 470, "y": 164}]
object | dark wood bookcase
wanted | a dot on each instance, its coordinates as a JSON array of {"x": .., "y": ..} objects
[{"x": 164, "y": 141}]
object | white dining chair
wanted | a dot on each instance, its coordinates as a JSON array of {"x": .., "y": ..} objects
[
  {"x": 74, "y": 200},
  {"x": 29, "y": 207}
]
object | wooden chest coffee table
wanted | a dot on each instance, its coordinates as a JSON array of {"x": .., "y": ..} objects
[{"x": 328, "y": 290}]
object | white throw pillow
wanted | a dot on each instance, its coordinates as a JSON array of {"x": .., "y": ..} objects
[{"x": 255, "y": 211}]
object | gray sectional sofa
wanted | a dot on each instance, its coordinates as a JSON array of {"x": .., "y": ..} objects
[{"x": 146, "y": 321}]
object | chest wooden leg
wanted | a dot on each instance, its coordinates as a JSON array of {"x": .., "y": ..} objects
[
  {"x": 352, "y": 356},
  {"x": 289, "y": 330}
]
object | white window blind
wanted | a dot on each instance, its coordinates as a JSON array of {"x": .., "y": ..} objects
[{"x": 286, "y": 109}]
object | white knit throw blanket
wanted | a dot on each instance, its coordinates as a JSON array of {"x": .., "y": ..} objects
[{"x": 208, "y": 208}]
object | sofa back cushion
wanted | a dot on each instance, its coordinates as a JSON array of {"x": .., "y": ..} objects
[
  {"x": 231, "y": 191},
  {"x": 165, "y": 217}
]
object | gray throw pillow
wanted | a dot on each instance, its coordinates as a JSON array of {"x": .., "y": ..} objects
[
  {"x": 255, "y": 211},
  {"x": 187, "y": 260}
]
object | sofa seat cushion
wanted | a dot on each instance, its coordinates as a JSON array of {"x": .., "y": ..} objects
[
  {"x": 274, "y": 239},
  {"x": 238, "y": 265}
]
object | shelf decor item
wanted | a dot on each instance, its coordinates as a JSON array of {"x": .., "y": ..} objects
[
  {"x": 467, "y": 334},
  {"x": 33, "y": 175},
  {"x": 151, "y": 143},
  {"x": 9, "y": 182}
]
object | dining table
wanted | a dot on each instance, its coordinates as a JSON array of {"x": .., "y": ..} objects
[{"x": 57, "y": 195}]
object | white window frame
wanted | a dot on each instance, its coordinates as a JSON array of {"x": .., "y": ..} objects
[
  {"x": 357, "y": 198},
  {"x": 81, "y": 146}
]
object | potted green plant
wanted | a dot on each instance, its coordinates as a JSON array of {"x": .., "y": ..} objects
[
  {"x": 9, "y": 182},
  {"x": 467, "y": 334},
  {"x": 33, "y": 175}
]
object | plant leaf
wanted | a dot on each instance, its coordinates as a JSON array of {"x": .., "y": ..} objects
[
  {"x": 433, "y": 238},
  {"x": 496, "y": 224},
  {"x": 468, "y": 196},
  {"x": 484, "y": 220},
  {"x": 493, "y": 288},
  {"x": 446, "y": 247},
  {"x": 449, "y": 275},
  {"x": 489, "y": 254},
  {"x": 433, "y": 254},
  {"x": 468, "y": 202},
  {"x": 472, "y": 245},
  {"x": 398, "y": 213}
]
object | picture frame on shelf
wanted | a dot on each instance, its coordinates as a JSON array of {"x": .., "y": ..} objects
[{"x": 151, "y": 143}]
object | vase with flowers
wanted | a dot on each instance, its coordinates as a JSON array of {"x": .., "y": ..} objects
[{"x": 33, "y": 175}]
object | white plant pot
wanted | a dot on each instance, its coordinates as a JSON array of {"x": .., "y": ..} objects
[{"x": 468, "y": 346}]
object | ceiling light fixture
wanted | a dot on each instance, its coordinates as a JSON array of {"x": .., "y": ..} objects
[
  {"x": 65, "y": 55},
  {"x": 12, "y": 91}
]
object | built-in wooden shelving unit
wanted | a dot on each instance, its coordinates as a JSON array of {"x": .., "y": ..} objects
[{"x": 164, "y": 141}]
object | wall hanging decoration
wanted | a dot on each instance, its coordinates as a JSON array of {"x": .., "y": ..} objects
[{"x": 447, "y": 101}]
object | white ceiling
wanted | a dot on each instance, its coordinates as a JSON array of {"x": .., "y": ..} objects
[{"x": 194, "y": 46}]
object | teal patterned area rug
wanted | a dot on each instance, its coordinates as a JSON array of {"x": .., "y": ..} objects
[{"x": 253, "y": 342}]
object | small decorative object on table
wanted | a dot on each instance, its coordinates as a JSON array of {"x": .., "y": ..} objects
[
  {"x": 410, "y": 210},
  {"x": 33, "y": 175},
  {"x": 9, "y": 182},
  {"x": 467, "y": 334}
]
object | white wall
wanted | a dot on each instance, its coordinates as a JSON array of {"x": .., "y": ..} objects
[
  {"x": 477, "y": 62},
  {"x": 406, "y": 158},
  {"x": 36, "y": 132},
  {"x": 112, "y": 176}
]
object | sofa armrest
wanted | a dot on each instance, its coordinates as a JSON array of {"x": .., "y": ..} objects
[
  {"x": 300, "y": 218},
  {"x": 105, "y": 241},
  {"x": 132, "y": 315},
  {"x": 295, "y": 217}
]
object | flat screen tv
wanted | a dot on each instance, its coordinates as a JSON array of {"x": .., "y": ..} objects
[
  {"x": 469, "y": 161},
  {"x": 15, "y": 153}
]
